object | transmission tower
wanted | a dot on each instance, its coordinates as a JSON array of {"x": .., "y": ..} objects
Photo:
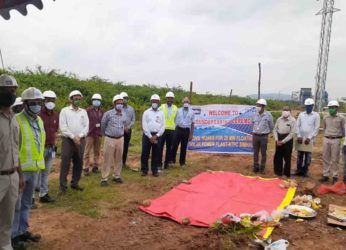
[{"x": 326, "y": 29}]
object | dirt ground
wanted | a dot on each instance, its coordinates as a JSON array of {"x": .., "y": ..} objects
[{"x": 129, "y": 228}]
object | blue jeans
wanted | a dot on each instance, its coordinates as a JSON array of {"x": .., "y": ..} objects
[
  {"x": 344, "y": 151},
  {"x": 42, "y": 178},
  {"x": 23, "y": 205}
]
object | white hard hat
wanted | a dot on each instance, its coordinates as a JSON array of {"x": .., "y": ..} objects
[
  {"x": 75, "y": 92},
  {"x": 155, "y": 97},
  {"x": 8, "y": 81},
  {"x": 262, "y": 102},
  {"x": 32, "y": 94},
  {"x": 333, "y": 104},
  {"x": 49, "y": 94},
  {"x": 18, "y": 102},
  {"x": 309, "y": 101},
  {"x": 117, "y": 97},
  {"x": 96, "y": 97},
  {"x": 124, "y": 94},
  {"x": 170, "y": 94}
]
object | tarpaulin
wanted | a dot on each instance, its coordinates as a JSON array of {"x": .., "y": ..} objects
[{"x": 210, "y": 195}]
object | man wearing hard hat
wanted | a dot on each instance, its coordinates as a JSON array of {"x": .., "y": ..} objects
[
  {"x": 93, "y": 139},
  {"x": 31, "y": 158},
  {"x": 17, "y": 106},
  {"x": 130, "y": 123},
  {"x": 74, "y": 126},
  {"x": 9, "y": 156},
  {"x": 112, "y": 127},
  {"x": 262, "y": 126},
  {"x": 170, "y": 112},
  {"x": 334, "y": 131},
  {"x": 50, "y": 120},
  {"x": 153, "y": 124},
  {"x": 308, "y": 125}
]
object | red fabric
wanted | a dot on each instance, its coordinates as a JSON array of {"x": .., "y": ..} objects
[
  {"x": 95, "y": 117},
  {"x": 51, "y": 125},
  {"x": 338, "y": 188},
  {"x": 211, "y": 195}
]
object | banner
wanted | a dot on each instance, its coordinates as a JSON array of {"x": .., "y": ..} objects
[{"x": 223, "y": 128}]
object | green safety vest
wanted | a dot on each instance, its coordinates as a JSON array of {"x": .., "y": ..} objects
[
  {"x": 170, "y": 123},
  {"x": 30, "y": 159}
]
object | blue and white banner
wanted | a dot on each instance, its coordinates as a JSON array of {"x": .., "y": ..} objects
[{"x": 223, "y": 128}]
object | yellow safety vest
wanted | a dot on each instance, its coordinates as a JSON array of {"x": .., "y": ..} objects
[
  {"x": 30, "y": 159},
  {"x": 170, "y": 123}
]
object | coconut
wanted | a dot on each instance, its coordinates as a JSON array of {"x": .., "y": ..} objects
[
  {"x": 186, "y": 221},
  {"x": 146, "y": 203}
]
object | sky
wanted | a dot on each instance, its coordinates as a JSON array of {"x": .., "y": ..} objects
[{"x": 217, "y": 44}]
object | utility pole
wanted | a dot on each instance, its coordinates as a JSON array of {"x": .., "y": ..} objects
[
  {"x": 2, "y": 60},
  {"x": 191, "y": 83},
  {"x": 259, "y": 80},
  {"x": 326, "y": 29}
]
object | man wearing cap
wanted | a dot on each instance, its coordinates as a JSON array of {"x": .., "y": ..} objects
[
  {"x": 32, "y": 140},
  {"x": 153, "y": 124},
  {"x": 334, "y": 131},
  {"x": 262, "y": 126},
  {"x": 74, "y": 126},
  {"x": 284, "y": 130},
  {"x": 170, "y": 112},
  {"x": 183, "y": 133},
  {"x": 17, "y": 107},
  {"x": 112, "y": 127},
  {"x": 308, "y": 125},
  {"x": 50, "y": 120},
  {"x": 9, "y": 164},
  {"x": 93, "y": 139},
  {"x": 130, "y": 123}
]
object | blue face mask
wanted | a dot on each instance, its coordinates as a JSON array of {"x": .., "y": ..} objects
[
  {"x": 118, "y": 106},
  {"x": 35, "y": 109},
  {"x": 309, "y": 108},
  {"x": 96, "y": 103}
]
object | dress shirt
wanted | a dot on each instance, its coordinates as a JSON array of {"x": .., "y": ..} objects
[
  {"x": 51, "y": 125},
  {"x": 285, "y": 126},
  {"x": 185, "y": 117},
  {"x": 95, "y": 117},
  {"x": 130, "y": 116},
  {"x": 36, "y": 129},
  {"x": 262, "y": 123},
  {"x": 73, "y": 122},
  {"x": 9, "y": 141},
  {"x": 308, "y": 125},
  {"x": 334, "y": 126},
  {"x": 153, "y": 121},
  {"x": 113, "y": 123}
]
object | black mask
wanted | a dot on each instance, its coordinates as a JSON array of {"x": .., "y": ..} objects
[{"x": 7, "y": 99}]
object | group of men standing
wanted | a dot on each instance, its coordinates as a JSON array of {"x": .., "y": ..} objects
[{"x": 301, "y": 132}]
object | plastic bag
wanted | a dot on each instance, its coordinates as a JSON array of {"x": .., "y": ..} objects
[
  {"x": 338, "y": 188},
  {"x": 278, "y": 245}
]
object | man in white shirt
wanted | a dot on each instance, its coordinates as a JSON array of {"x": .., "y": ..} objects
[
  {"x": 153, "y": 123},
  {"x": 308, "y": 125},
  {"x": 74, "y": 126}
]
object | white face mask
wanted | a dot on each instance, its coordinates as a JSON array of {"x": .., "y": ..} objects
[
  {"x": 49, "y": 105},
  {"x": 258, "y": 109},
  {"x": 286, "y": 113},
  {"x": 154, "y": 105},
  {"x": 96, "y": 103},
  {"x": 186, "y": 104}
]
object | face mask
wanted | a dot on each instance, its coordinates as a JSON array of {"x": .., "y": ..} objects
[
  {"x": 332, "y": 112},
  {"x": 7, "y": 99},
  {"x": 258, "y": 109},
  {"x": 35, "y": 109},
  {"x": 125, "y": 101},
  {"x": 49, "y": 105},
  {"x": 96, "y": 103},
  {"x": 154, "y": 105},
  {"x": 118, "y": 106},
  {"x": 169, "y": 103},
  {"x": 76, "y": 103},
  {"x": 186, "y": 105},
  {"x": 286, "y": 113},
  {"x": 309, "y": 108}
]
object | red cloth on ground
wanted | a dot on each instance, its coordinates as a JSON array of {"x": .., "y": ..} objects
[
  {"x": 338, "y": 188},
  {"x": 211, "y": 195}
]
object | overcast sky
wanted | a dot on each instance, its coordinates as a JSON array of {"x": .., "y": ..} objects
[{"x": 217, "y": 44}]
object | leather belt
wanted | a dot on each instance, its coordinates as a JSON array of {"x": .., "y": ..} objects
[
  {"x": 260, "y": 134},
  {"x": 7, "y": 172},
  {"x": 114, "y": 137},
  {"x": 333, "y": 137}
]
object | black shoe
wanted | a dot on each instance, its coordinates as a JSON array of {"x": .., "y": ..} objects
[
  {"x": 298, "y": 174},
  {"x": 305, "y": 175},
  {"x": 37, "y": 189},
  {"x": 77, "y": 187},
  {"x": 46, "y": 199},
  {"x": 255, "y": 170},
  {"x": 27, "y": 236},
  {"x": 104, "y": 184},
  {"x": 18, "y": 244},
  {"x": 156, "y": 174},
  {"x": 324, "y": 179},
  {"x": 118, "y": 180},
  {"x": 86, "y": 172},
  {"x": 33, "y": 204},
  {"x": 335, "y": 180},
  {"x": 62, "y": 190},
  {"x": 95, "y": 170},
  {"x": 144, "y": 174}
]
